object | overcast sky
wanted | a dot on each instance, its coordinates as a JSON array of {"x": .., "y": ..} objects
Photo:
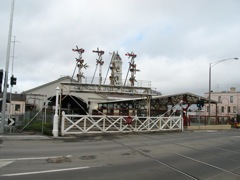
[{"x": 175, "y": 40}]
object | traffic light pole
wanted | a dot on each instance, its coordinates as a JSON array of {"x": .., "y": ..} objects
[{"x": 3, "y": 115}]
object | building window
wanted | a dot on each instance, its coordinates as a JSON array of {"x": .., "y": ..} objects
[
  {"x": 17, "y": 107},
  {"x": 234, "y": 109},
  {"x": 110, "y": 106},
  {"x": 219, "y": 98},
  {"x": 229, "y": 109},
  {"x": 231, "y": 99},
  {"x": 222, "y": 109}
]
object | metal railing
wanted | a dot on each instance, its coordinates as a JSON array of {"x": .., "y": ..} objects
[
  {"x": 79, "y": 124},
  {"x": 95, "y": 80}
]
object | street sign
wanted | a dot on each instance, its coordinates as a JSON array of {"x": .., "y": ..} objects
[{"x": 11, "y": 121}]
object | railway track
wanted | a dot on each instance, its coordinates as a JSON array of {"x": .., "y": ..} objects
[{"x": 188, "y": 175}]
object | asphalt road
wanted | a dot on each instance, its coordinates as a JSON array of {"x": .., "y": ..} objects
[{"x": 209, "y": 155}]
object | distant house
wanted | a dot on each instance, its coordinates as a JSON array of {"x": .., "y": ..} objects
[{"x": 15, "y": 104}]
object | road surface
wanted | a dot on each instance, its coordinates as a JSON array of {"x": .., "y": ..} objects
[{"x": 186, "y": 155}]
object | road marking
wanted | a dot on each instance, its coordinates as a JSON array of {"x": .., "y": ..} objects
[
  {"x": 236, "y": 136},
  {"x": 49, "y": 171},
  {"x": 210, "y": 131},
  {"x": 4, "y": 163},
  {"x": 32, "y": 158}
]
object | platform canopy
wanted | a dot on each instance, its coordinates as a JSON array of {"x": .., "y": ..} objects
[
  {"x": 172, "y": 99},
  {"x": 187, "y": 97},
  {"x": 151, "y": 105}
]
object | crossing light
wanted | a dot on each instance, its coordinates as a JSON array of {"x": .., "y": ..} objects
[
  {"x": 1, "y": 76},
  {"x": 1, "y": 79},
  {"x": 200, "y": 103},
  {"x": 13, "y": 81}
]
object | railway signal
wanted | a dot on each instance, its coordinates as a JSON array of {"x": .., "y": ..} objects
[{"x": 13, "y": 80}]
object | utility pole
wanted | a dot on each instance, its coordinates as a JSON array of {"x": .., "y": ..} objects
[{"x": 3, "y": 115}]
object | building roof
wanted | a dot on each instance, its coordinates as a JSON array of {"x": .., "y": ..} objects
[
  {"x": 173, "y": 98},
  {"x": 52, "y": 82},
  {"x": 14, "y": 97}
]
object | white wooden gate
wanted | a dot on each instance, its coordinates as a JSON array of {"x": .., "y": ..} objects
[{"x": 78, "y": 124}]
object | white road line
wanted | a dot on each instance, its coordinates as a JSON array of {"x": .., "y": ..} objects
[
  {"x": 4, "y": 163},
  {"x": 49, "y": 171},
  {"x": 32, "y": 158}
]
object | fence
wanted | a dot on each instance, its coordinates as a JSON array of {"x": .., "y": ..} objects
[
  {"x": 78, "y": 124},
  {"x": 204, "y": 120}
]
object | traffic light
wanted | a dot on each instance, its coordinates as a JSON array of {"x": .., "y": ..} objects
[
  {"x": 13, "y": 81},
  {"x": 200, "y": 103},
  {"x": 1, "y": 76},
  {"x": 1, "y": 79}
]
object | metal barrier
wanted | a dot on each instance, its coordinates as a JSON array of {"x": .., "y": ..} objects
[{"x": 78, "y": 124}]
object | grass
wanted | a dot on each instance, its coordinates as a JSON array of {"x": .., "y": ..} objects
[{"x": 45, "y": 128}]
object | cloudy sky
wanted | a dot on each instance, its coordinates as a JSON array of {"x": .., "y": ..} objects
[{"x": 175, "y": 40}]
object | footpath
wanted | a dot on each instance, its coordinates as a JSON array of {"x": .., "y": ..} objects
[
  {"x": 26, "y": 135},
  {"x": 23, "y": 137},
  {"x": 39, "y": 136}
]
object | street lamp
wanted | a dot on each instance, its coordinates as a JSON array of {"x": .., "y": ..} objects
[
  {"x": 55, "y": 118},
  {"x": 209, "y": 93}
]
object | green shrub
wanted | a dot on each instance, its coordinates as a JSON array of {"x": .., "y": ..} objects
[{"x": 37, "y": 127}]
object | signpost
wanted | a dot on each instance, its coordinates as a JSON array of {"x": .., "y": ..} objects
[{"x": 11, "y": 121}]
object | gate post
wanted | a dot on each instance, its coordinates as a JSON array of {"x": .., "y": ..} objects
[
  {"x": 63, "y": 124},
  {"x": 181, "y": 123}
]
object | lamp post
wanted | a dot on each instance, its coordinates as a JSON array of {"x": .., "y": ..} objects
[
  {"x": 55, "y": 119},
  {"x": 209, "y": 93}
]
